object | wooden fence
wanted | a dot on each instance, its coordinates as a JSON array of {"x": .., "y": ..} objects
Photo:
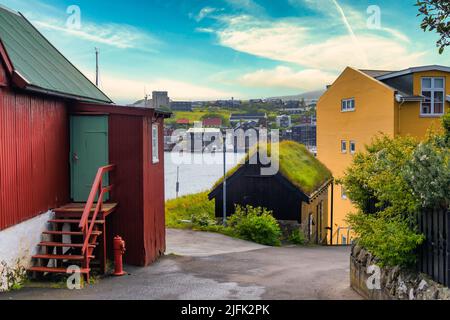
[{"x": 434, "y": 254}]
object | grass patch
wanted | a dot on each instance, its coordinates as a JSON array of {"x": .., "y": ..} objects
[
  {"x": 197, "y": 114},
  {"x": 196, "y": 212},
  {"x": 298, "y": 165}
]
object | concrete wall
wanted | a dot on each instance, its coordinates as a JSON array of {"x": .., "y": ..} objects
[{"x": 18, "y": 244}]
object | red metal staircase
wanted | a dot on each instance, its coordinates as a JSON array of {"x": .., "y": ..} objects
[{"x": 77, "y": 234}]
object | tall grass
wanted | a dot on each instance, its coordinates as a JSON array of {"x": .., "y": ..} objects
[{"x": 187, "y": 208}]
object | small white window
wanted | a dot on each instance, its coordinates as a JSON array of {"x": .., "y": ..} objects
[
  {"x": 343, "y": 146},
  {"x": 348, "y": 105},
  {"x": 343, "y": 193},
  {"x": 352, "y": 147},
  {"x": 155, "y": 143},
  {"x": 433, "y": 90}
]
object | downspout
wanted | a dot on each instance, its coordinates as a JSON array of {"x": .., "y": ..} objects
[
  {"x": 332, "y": 213},
  {"x": 401, "y": 100}
]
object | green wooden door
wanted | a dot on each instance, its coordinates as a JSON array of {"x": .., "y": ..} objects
[{"x": 88, "y": 152}]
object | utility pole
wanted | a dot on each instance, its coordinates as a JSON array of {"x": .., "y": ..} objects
[
  {"x": 96, "y": 66},
  {"x": 224, "y": 133},
  {"x": 178, "y": 181}
]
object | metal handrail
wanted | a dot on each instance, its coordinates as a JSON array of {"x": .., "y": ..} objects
[{"x": 97, "y": 186}]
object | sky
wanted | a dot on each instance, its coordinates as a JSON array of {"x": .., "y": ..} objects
[{"x": 218, "y": 49}]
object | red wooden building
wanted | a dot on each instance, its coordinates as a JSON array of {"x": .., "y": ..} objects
[{"x": 59, "y": 132}]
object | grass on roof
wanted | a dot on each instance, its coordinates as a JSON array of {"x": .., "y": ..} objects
[{"x": 297, "y": 165}]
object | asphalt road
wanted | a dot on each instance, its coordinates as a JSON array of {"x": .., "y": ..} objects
[{"x": 210, "y": 266}]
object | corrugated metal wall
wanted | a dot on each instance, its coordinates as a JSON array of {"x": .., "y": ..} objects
[
  {"x": 34, "y": 167},
  {"x": 125, "y": 151},
  {"x": 154, "y": 200},
  {"x": 138, "y": 188}
]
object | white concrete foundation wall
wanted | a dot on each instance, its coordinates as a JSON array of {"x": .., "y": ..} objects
[{"x": 19, "y": 243}]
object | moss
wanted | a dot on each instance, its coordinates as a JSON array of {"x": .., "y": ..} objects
[{"x": 297, "y": 165}]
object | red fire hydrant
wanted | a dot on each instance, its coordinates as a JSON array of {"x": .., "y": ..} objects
[{"x": 119, "y": 250}]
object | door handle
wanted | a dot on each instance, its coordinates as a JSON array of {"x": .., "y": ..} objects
[{"x": 75, "y": 157}]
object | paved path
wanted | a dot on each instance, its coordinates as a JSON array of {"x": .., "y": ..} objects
[{"x": 212, "y": 266}]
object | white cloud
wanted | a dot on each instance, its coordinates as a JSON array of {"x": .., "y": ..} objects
[
  {"x": 115, "y": 35},
  {"x": 285, "y": 77},
  {"x": 126, "y": 90},
  {"x": 300, "y": 42},
  {"x": 53, "y": 19},
  {"x": 248, "y": 6},
  {"x": 204, "y": 13}
]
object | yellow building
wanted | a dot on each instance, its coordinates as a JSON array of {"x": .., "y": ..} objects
[{"x": 363, "y": 103}]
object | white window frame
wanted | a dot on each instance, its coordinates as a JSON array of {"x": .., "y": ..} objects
[
  {"x": 155, "y": 143},
  {"x": 352, "y": 143},
  {"x": 343, "y": 150},
  {"x": 348, "y": 105},
  {"x": 432, "y": 91}
]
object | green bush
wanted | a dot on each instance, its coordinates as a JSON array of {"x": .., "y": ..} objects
[
  {"x": 428, "y": 170},
  {"x": 256, "y": 224},
  {"x": 203, "y": 219},
  {"x": 392, "y": 241},
  {"x": 386, "y": 221},
  {"x": 375, "y": 181},
  {"x": 297, "y": 237}
]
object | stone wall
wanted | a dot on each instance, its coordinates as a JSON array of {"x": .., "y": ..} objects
[{"x": 391, "y": 283}]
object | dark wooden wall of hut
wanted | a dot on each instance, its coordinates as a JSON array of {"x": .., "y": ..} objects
[
  {"x": 248, "y": 187},
  {"x": 34, "y": 154}
]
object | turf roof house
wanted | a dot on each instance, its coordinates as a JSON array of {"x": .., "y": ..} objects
[
  {"x": 298, "y": 192},
  {"x": 57, "y": 129}
]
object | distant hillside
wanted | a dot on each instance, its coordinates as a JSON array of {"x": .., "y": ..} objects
[{"x": 308, "y": 96}]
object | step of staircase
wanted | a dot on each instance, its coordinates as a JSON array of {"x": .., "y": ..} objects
[
  {"x": 78, "y": 208},
  {"x": 70, "y": 233},
  {"x": 71, "y": 221},
  {"x": 64, "y": 245},
  {"x": 55, "y": 270},
  {"x": 60, "y": 257}
]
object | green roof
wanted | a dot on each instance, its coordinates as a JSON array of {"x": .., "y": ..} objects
[
  {"x": 297, "y": 165},
  {"x": 40, "y": 63}
]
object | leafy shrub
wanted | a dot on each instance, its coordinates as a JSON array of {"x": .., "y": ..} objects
[
  {"x": 428, "y": 173},
  {"x": 392, "y": 241},
  {"x": 203, "y": 219},
  {"x": 297, "y": 237},
  {"x": 428, "y": 170},
  {"x": 375, "y": 181},
  {"x": 256, "y": 224},
  {"x": 388, "y": 205}
]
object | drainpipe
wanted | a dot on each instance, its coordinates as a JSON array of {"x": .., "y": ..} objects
[
  {"x": 401, "y": 100},
  {"x": 332, "y": 212}
]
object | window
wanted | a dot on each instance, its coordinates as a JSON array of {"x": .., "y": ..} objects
[
  {"x": 348, "y": 105},
  {"x": 433, "y": 89},
  {"x": 343, "y": 194},
  {"x": 343, "y": 146},
  {"x": 155, "y": 143},
  {"x": 352, "y": 147}
]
